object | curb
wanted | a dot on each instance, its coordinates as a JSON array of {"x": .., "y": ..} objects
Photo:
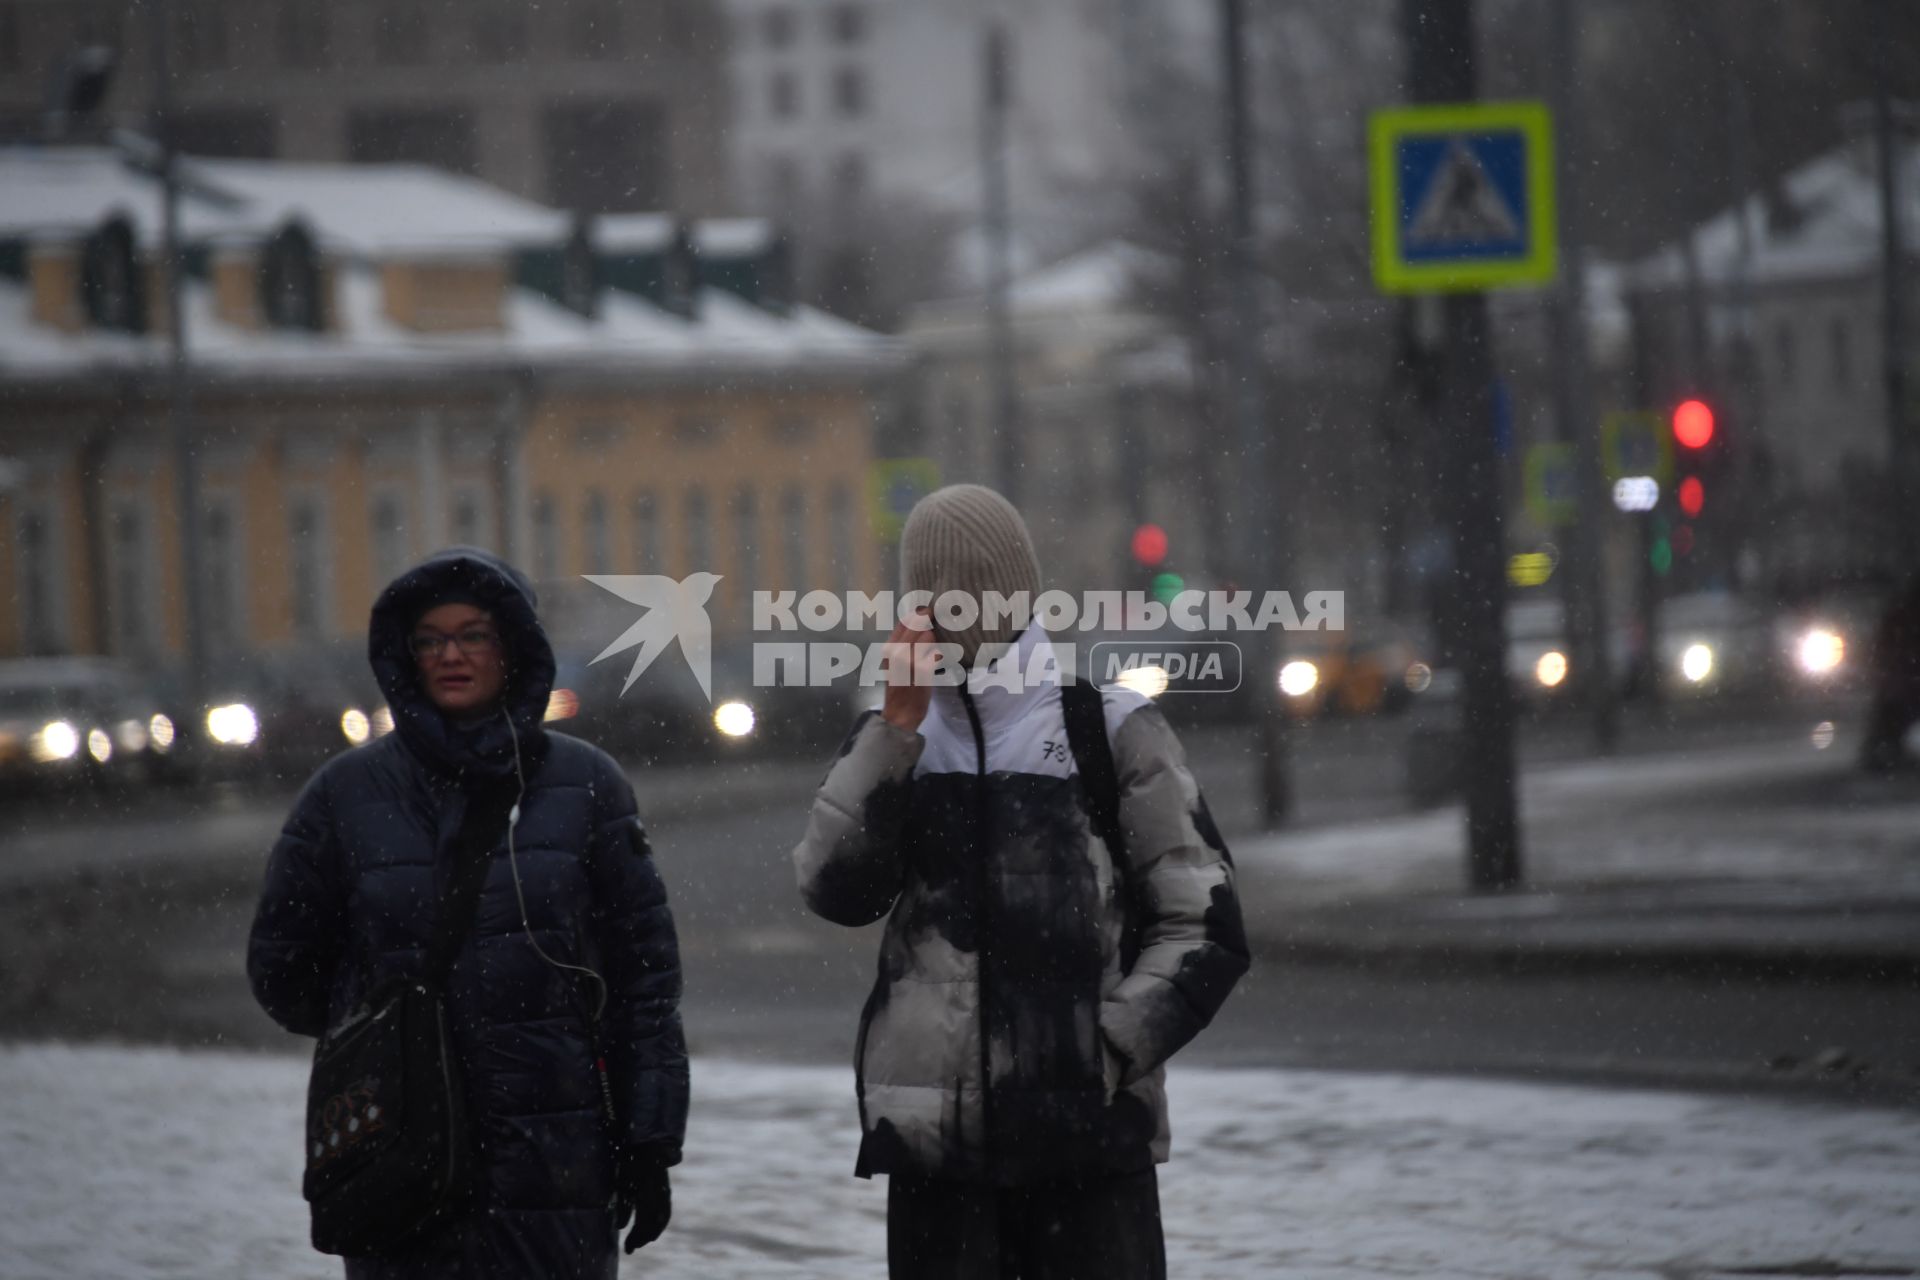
[{"x": 1530, "y": 958}]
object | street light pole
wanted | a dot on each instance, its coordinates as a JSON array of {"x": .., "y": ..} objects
[
  {"x": 186, "y": 477},
  {"x": 1008, "y": 451},
  {"x": 1893, "y": 335},
  {"x": 1439, "y": 36},
  {"x": 1259, "y": 545},
  {"x": 1584, "y": 581}
]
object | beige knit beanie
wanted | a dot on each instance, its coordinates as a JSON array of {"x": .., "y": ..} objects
[{"x": 968, "y": 538}]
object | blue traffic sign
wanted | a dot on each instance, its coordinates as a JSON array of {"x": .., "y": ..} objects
[{"x": 1462, "y": 197}]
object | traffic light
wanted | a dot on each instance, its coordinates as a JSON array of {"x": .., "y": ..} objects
[
  {"x": 1149, "y": 546},
  {"x": 1699, "y": 445}
]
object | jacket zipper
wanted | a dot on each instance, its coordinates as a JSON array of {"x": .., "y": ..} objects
[{"x": 983, "y": 924}]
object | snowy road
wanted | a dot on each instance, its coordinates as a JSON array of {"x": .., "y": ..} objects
[{"x": 150, "y": 1162}]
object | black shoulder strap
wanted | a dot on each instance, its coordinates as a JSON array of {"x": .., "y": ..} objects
[
  {"x": 1085, "y": 713},
  {"x": 1086, "y": 718},
  {"x": 480, "y": 827}
]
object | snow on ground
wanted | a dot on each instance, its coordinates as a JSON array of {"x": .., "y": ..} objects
[{"x": 122, "y": 1162}]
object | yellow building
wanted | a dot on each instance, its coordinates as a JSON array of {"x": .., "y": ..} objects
[{"x": 385, "y": 360}]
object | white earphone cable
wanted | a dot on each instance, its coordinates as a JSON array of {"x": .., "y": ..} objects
[{"x": 513, "y": 820}]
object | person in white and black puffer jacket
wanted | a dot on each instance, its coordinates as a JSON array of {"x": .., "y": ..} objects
[{"x": 1033, "y": 980}]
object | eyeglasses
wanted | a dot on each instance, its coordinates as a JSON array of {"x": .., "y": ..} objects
[{"x": 473, "y": 642}]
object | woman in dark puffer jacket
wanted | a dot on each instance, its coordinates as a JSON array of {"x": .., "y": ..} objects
[{"x": 350, "y": 897}]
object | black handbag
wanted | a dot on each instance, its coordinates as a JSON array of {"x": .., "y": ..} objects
[{"x": 389, "y": 1154}]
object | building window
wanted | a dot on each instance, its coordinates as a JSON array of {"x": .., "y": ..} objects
[
  {"x": 306, "y": 567},
  {"x": 699, "y": 533},
  {"x": 746, "y": 545},
  {"x": 646, "y": 534},
  {"x": 781, "y": 193},
  {"x": 1783, "y": 353},
  {"x": 42, "y": 610},
  {"x": 850, "y": 178},
  {"x": 471, "y": 525},
  {"x": 777, "y": 27},
  {"x": 597, "y": 545},
  {"x": 390, "y": 549},
  {"x": 1840, "y": 338},
  {"x": 500, "y": 32},
  {"x": 593, "y": 29},
  {"x": 200, "y": 36},
  {"x": 793, "y": 525},
  {"x": 132, "y": 581},
  {"x": 400, "y": 33},
  {"x": 546, "y": 538},
  {"x": 306, "y": 41},
  {"x": 848, "y": 23},
  {"x": 783, "y": 95},
  {"x": 850, "y": 92},
  {"x": 438, "y": 136},
  {"x": 232, "y": 132},
  {"x": 608, "y": 156},
  {"x": 840, "y": 535},
  {"x": 225, "y": 603}
]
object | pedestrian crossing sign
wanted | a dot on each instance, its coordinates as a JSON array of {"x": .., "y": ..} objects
[{"x": 1462, "y": 197}]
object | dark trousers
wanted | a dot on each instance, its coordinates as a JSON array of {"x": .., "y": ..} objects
[{"x": 1093, "y": 1229}]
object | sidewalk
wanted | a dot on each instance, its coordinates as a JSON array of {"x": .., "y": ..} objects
[
  {"x": 1776, "y": 860},
  {"x": 157, "y": 1163}
]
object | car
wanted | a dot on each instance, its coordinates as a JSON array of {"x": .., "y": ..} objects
[
  {"x": 1373, "y": 670},
  {"x": 1714, "y": 642},
  {"x": 81, "y": 720}
]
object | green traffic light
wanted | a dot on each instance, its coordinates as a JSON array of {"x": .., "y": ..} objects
[
  {"x": 1167, "y": 585},
  {"x": 1661, "y": 557}
]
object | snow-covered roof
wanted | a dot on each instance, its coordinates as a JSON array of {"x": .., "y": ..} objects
[
  {"x": 372, "y": 209},
  {"x": 362, "y": 214},
  {"x": 1830, "y": 227},
  {"x": 1101, "y": 277}
]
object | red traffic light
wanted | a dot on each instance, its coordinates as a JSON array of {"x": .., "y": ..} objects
[
  {"x": 1693, "y": 495},
  {"x": 1150, "y": 544},
  {"x": 1693, "y": 424}
]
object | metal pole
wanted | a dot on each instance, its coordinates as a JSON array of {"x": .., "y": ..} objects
[
  {"x": 1439, "y": 36},
  {"x": 1584, "y": 579},
  {"x": 186, "y": 477},
  {"x": 1257, "y": 519},
  {"x": 1893, "y": 335},
  {"x": 997, "y": 225}
]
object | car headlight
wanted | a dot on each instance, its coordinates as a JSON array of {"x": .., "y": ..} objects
[
  {"x": 562, "y": 704},
  {"x": 354, "y": 726},
  {"x": 1551, "y": 670},
  {"x": 1149, "y": 681},
  {"x": 381, "y": 722},
  {"x": 56, "y": 740},
  {"x": 99, "y": 746},
  {"x": 1696, "y": 662},
  {"x": 160, "y": 733},
  {"x": 131, "y": 736},
  {"x": 1820, "y": 652},
  {"x": 1299, "y": 678},
  {"x": 1419, "y": 678},
  {"x": 233, "y": 725},
  {"x": 733, "y": 719}
]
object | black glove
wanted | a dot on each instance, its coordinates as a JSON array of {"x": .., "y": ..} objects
[{"x": 646, "y": 1193}]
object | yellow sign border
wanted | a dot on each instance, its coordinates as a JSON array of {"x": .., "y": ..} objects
[{"x": 1391, "y": 272}]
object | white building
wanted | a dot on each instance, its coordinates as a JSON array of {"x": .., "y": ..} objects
[
  {"x": 842, "y": 108},
  {"x": 1782, "y": 319}
]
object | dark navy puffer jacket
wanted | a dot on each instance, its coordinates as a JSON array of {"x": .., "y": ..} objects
[{"x": 350, "y": 896}]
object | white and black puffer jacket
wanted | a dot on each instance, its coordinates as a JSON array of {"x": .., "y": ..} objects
[{"x": 1007, "y": 1041}]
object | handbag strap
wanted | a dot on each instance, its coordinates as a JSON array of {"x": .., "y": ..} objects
[{"x": 473, "y": 843}]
